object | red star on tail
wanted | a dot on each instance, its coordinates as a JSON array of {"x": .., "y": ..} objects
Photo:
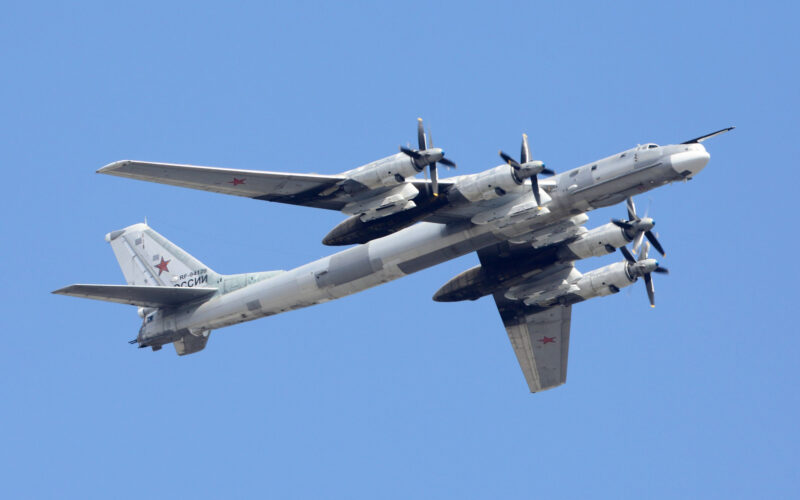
[{"x": 162, "y": 266}]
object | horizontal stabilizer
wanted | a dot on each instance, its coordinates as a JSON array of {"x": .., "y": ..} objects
[{"x": 143, "y": 296}]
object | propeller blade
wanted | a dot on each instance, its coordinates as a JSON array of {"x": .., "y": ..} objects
[
  {"x": 637, "y": 242},
  {"x": 651, "y": 291},
  {"x": 525, "y": 152},
  {"x": 434, "y": 179},
  {"x": 449, "y": 163},
  {"x": 627, "y": 255},
  {"x": 511, "y": 161},
  {"x": 631, "y": 209},
  {"x": 410, "y": 152},
  {"x": 547, "y": 171},
  {"x": 535, "y": 187},
  {"x": 621, "y": 223},
  {"x": 652, "y": 239},
  {"x": 645, "y": 251},
  {"x": 661, "y": 270},
  {"x": 423, "y": 144}
]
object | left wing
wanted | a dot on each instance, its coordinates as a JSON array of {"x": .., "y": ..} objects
[
  {"x": 540, "y": 338},
  {"x": 138, "y": 295},
  {"x": 539, "y": 335}
]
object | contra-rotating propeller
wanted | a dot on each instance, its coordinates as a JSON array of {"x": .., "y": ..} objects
[
  {"x": 526, "y": 168},
  {"x": 427, "y": 157},
  {"x": 644, "y": 267},
  {"x": 637, "y": 228}
]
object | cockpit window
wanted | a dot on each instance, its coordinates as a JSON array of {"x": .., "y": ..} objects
[{"x": 652, "y": 146}]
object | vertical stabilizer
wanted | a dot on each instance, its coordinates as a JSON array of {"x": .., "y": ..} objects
[{"x": 149, "y": 259}]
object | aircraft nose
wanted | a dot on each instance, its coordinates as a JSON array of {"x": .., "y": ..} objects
[{"x": 689, "y": 163}]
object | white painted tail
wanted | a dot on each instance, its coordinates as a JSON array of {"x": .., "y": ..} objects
[{"x": 149, "y": 259}]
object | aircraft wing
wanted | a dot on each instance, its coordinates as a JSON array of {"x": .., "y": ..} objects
[
  {"x": 538, "y": 335},
  {"x": 311, "y": 190},
  {"x": 143, "y": 296},
  {"x": 540, "y": 338}
]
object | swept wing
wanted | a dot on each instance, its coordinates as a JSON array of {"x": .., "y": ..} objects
[
  {"x": 311, "y": 190},
  {"x": 538, "y": 335}
]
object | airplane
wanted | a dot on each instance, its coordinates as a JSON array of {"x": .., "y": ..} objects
[{"x": 528, "y": 234}]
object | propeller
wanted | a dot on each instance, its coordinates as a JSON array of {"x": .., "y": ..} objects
[
  {"x": 644, "y": 267},
  {"x": 527, "y": 168},
  {"x": 425, "y": 156},
  {"x": 638, "y": 228}
]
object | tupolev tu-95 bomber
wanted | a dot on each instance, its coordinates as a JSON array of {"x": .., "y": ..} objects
[{"x": 528, "y": 233}]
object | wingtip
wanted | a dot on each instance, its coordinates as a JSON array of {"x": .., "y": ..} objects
[{"x": 105, "y": 169}]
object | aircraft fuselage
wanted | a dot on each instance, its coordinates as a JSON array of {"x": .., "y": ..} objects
[{"x": 602, "y": 183}]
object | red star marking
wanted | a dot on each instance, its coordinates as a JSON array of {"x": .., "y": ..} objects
[
  {"x": 547, "y": 340},
  {"x": 236, "y": 181},
  {"x": 162, "y": 266}
]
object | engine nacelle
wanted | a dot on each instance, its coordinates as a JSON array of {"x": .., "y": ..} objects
[
  {"x": 490, "y": 184},
  {"x": 599, "y": 241},
  {"x": 389, "y": 171},
  {"x": 604, "y": 281}
]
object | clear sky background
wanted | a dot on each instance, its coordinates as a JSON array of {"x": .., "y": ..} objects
[{"x": 386, "y": 394}]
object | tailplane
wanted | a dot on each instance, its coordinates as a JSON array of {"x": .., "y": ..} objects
[
  {"x": 160, "y": 277},
  {"x": 166, "y": 283}
]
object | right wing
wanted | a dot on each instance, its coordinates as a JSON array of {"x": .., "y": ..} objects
[
  {"x": 332, "y": 192},
  {"x": 142, "y": 296},
  {"x": 295, "y": 189}
]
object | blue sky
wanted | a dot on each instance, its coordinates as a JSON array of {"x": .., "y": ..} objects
[{"x": 386, "y": 394}]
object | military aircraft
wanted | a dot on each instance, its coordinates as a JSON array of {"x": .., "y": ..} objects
[{"x": 528, "y": 234}]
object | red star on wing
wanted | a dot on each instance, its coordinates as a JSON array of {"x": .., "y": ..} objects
[
  {"x": 236, "y": 181},
  {"x": 162, "y": 266},
  {"x": 547, "y": 340}
]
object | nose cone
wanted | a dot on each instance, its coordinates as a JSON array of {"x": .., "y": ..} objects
[{"x": 689, "y": 163}]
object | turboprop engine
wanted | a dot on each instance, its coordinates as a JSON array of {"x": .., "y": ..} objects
[
  {"x": 389, "y": 171},
  {"x": 395, "y": 169},
  {"x": 616, "y": 234},
  {"x": 498, "y": 181},
  {"x": 597, "y": 283}
]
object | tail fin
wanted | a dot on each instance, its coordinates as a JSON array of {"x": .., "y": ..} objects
[{"x": 149, "y": 259}]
